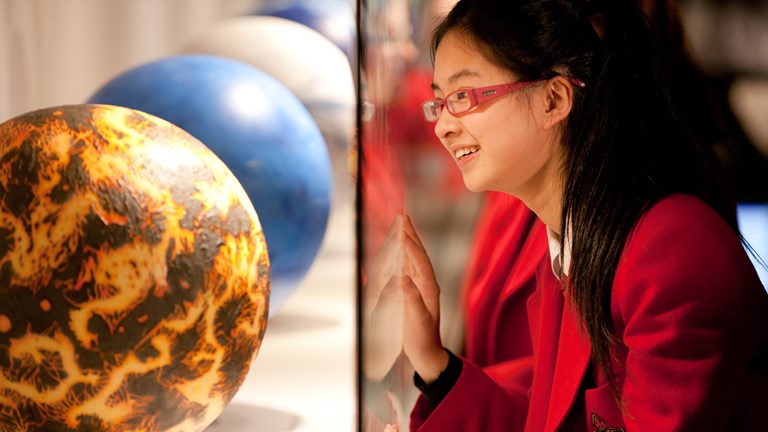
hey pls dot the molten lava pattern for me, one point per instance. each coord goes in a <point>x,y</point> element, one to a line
<point>134,276</point>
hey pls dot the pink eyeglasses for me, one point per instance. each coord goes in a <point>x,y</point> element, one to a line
<point>463,100</point>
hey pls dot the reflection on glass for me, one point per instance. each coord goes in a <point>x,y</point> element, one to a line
<point>403,170</point>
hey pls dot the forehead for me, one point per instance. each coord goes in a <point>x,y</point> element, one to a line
<point>459,62</point>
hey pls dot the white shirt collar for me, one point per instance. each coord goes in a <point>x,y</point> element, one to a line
<point>560,267</point>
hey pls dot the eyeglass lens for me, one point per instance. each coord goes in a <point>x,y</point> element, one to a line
<point>458,102</point>
<point>431,110</point>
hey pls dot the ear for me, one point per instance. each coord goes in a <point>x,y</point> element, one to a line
<point>558,100</point>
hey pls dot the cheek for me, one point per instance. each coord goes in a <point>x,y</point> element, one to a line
<point>508,141</point>
<point>506,125</point>
<point>515,152</point>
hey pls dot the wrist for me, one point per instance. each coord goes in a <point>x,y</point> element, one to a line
<point>432,366</point>
<point>436,391</point>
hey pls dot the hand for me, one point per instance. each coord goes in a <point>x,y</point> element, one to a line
<point>421,298</point>
<point>382,307</point>
<point>401,307</point>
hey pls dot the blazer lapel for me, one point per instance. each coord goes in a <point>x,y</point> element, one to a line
<point>544,313</point>
<point>573,355</point>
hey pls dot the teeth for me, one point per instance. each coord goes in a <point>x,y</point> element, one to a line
<point>465,151</point>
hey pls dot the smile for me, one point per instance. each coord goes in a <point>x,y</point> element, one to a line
<point>462,152</point>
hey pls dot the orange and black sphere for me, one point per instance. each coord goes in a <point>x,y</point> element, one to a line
<point>134,276</point>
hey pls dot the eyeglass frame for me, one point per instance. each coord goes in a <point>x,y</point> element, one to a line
<point>480,95</point>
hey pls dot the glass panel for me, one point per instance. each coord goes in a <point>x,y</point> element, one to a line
<point>403,170</point>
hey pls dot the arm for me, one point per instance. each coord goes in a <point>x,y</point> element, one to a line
<point>475,402</point>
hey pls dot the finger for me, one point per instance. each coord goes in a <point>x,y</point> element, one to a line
<point>383,330</point>
<point>387,262</point>
<point>388,247</point>
<point>419,310</point>
<point>416,252</point>
<point>387,298</point>
<point>391,292</point>
<point>409,229</point>
<point>415,309</point>
<point>418,264</point>
<point>420,269</point>
<point>421,338</point>
<point>394,227</point>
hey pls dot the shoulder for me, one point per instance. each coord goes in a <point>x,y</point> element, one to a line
<point>680,212</point>
<point>685,227</point>
<point>681,250</point>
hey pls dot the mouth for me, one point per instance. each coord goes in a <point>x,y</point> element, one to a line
<point>465,151</point>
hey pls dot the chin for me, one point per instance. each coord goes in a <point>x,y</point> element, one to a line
<point>474,186</point>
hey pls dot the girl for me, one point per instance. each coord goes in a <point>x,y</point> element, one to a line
<point>657,319</point>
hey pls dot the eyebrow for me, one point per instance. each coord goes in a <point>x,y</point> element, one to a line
<point>455,77</point>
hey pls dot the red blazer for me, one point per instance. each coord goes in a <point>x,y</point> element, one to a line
<point>509,244</point>
<point>507,236</point>
<point>693,318</point>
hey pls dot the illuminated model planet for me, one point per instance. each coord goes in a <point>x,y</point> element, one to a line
<point>261,131</point>
<point>134,274</point>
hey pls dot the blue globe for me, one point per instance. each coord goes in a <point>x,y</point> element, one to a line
<point>261,131</point>
<point>293,56</point>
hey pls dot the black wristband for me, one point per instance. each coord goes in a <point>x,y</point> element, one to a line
<point>438,389</point>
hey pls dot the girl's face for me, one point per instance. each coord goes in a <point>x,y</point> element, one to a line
<point>502,144</point>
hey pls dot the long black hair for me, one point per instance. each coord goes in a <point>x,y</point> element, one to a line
<point>626,146</point>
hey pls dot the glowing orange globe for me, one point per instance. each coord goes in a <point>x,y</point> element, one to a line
<point>134,276</point>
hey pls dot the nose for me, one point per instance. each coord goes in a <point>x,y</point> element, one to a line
<point>446,125</point>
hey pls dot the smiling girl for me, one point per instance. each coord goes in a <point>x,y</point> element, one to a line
<point>656,319</point>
